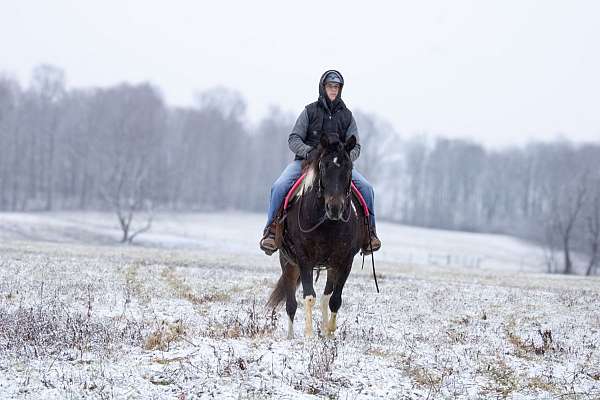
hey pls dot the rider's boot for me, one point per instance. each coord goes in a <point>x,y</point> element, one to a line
<point>267,243</point>
<point>373,244</point>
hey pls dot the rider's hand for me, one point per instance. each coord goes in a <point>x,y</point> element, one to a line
<point>311,155</point>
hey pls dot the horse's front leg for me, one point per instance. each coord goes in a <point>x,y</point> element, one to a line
<point>306,276</point>
<point>335,302</point>
<point>325,301</point>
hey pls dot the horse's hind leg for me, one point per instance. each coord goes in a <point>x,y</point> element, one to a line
<point>325,301</point>
<point>292,277</point>
<point>306,273</point>
<point>335,302</point>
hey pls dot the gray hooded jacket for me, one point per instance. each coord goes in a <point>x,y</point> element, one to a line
<point>297,139</point>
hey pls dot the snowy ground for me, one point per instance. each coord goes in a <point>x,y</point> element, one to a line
<point>181,315</point>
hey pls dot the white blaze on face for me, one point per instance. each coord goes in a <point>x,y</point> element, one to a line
<point>335,162</point>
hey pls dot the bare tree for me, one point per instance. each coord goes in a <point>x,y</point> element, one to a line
<point>127,198</point>
<point>375,137</point>
<point>593,228</point>
<point>565,212</point>
<point>9,141</point>
<point>134,123</point>
<point>48,83</point>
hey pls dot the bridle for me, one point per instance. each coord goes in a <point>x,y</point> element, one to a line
<point>320,189</point>
<point>320,186</point>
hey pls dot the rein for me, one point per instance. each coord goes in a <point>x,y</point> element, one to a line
<point>319,223</point>
<point>372,257</point>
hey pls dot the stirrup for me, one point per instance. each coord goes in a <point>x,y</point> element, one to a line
<point>369,248</point>
<point>267,243</point>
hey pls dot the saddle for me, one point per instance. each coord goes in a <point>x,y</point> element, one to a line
<point>295,191</point>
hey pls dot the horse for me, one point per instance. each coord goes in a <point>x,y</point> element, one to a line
<point>323,230</point>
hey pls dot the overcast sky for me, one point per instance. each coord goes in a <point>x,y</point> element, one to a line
<point>499,72</point>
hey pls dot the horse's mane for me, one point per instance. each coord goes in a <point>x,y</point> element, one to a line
<point>309,168</point>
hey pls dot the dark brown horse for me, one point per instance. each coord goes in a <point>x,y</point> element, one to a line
<point>323,229</point>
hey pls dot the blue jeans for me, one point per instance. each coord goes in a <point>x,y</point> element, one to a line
<point>292,172</point>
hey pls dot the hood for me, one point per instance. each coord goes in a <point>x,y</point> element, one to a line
<point>323,99</point>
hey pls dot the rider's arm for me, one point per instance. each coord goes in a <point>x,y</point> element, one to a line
<point>298,135</point>
<point>353,131</point>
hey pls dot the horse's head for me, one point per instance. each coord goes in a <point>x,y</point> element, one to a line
<point>332,170</point>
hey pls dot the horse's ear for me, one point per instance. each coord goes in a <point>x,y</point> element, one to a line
<point>324,140</point>
<point>350,143</point>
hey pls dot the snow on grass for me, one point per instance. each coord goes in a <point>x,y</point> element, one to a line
<point>239,233</point>
<point>182,316</point>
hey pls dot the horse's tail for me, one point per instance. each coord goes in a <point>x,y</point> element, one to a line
<point>288,281</point>
<point>278,294</point>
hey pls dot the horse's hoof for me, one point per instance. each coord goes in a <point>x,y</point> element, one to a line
<point>332,325</point>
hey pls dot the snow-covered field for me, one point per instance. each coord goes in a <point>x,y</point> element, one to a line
<point>181,315</point>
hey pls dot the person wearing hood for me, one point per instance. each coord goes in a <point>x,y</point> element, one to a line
<point>326,115</point>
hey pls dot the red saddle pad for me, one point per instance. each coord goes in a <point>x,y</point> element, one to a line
<point>296,185</point>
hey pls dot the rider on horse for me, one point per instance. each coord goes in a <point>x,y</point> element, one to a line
<point>328,114</point>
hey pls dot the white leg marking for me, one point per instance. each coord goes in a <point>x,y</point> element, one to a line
<point>332,324</point>
<point>309,302</point>
<point>325,312</point>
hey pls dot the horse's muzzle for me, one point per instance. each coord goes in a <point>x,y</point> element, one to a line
<point>334,209</point>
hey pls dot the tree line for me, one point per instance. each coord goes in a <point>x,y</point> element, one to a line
<point>122,148</point>
<point>545,192</point>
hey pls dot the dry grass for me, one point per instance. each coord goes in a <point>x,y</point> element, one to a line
<point>541,383</point>
<point>134,286</point>
<point>321,358</point>
<point>185,291</point>
<point>247,321</point>
<point>456,336</point>
<point>164,335</point>
<point>425,377</point>
<point>503,379</point>
<point>167,361</point>
<point>54,328</point>
<point>430,378</point>
<point>527,348</point>
<point>379,352</point>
